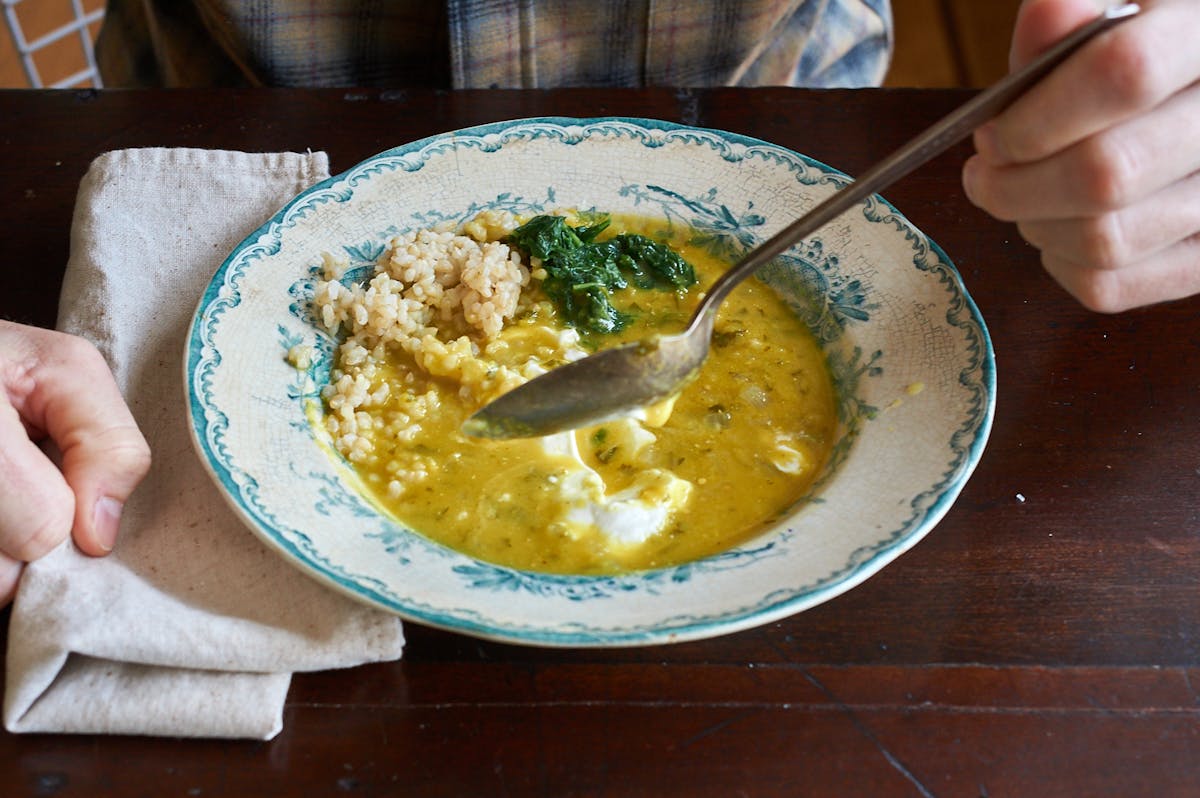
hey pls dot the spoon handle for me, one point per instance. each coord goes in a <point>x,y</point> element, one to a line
<point>932,142</point>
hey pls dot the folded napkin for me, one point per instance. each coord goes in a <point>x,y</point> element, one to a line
<point>190,627</point>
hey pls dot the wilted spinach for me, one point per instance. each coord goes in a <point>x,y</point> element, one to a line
<point>582,273</point>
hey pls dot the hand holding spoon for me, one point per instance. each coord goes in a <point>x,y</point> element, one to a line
<point>617,381</point>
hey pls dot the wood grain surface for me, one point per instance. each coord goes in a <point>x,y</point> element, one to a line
<point>1042,640</point>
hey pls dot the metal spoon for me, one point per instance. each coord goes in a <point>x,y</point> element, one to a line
<point>617,381</point>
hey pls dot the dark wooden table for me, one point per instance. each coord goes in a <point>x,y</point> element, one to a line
<point>1043,640</point>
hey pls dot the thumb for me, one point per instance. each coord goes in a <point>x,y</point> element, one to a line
<point>102,465</point>
<point>1040,23</point>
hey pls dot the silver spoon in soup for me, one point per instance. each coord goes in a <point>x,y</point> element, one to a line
<point>615,382</point>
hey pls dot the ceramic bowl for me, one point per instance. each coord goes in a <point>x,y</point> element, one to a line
<point>908,350</point>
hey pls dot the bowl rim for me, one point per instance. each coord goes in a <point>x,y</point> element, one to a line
<point>688,627</point>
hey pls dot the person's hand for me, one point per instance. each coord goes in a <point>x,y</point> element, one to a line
<point>1098,164</point>
<point>58,386</point>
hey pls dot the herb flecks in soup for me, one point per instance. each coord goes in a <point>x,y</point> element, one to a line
<point>453,319</point>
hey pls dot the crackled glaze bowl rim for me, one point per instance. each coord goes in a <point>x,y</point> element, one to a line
<point>785,600</point>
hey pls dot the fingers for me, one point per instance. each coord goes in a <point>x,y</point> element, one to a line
<point>1041,23</point>
<point>64,388</point>
<point>1119,75</point>
<point>36,505</point>
<point>104,455</point>
<point>1115,168</point>
<point>1122,238</point>
<point>1171,274</point>
<point>1098,164</point>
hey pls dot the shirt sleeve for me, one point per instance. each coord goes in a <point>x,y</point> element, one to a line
<point>828,44</point>
<point>854,48</point>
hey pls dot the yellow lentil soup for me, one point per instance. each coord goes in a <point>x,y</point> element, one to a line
<point>454,318</point>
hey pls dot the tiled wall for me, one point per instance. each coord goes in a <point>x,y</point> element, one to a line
<point>56,61</point>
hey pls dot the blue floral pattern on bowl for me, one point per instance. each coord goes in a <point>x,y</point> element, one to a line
<point>907,347</point>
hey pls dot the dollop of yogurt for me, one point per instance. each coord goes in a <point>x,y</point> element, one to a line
<point>626,518</point>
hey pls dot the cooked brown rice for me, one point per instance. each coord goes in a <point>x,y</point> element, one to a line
<point>442,297</point>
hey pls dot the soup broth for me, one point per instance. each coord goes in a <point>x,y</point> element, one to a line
<point>692,477</point>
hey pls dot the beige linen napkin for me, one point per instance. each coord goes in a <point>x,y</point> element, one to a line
<point>190,627</point>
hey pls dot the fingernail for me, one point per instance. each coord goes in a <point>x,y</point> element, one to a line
<point>106,519</point>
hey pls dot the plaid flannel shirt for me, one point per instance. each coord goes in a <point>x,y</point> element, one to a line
<point>495,43</point>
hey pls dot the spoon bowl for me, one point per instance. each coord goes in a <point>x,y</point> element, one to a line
<point>633,376</point>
